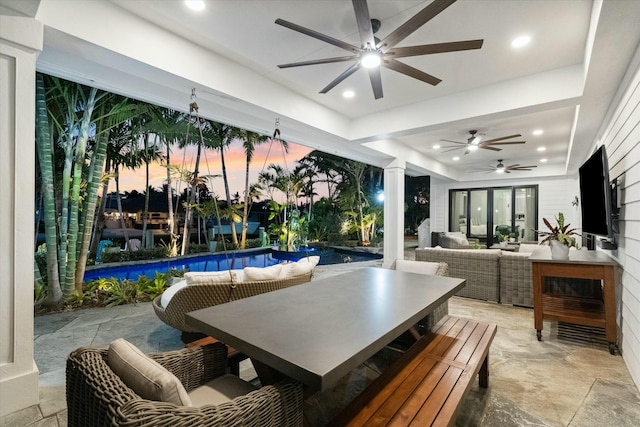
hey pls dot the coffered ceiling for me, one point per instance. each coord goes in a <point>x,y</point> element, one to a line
<point>561,82</point>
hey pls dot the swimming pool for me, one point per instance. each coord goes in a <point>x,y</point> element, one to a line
<point>216,262</point>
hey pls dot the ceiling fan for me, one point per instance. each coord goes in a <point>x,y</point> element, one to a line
<point>501,168</point>
<point>475,141</point>
<point>374,53</point>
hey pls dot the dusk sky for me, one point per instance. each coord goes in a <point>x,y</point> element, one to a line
<point>210,165</point>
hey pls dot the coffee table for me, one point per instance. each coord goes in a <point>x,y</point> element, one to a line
<point>319,331</point>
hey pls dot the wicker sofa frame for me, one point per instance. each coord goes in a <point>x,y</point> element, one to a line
<point>480,267</point>
<point>198,296</point>
<point>96,396</point>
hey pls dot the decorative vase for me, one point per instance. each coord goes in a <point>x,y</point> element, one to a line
<point>559,250</point>
<point>503,244</point>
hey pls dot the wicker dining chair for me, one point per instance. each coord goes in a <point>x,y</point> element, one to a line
<point>96,396</point>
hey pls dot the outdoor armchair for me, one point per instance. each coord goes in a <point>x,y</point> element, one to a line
<point>96,396</point>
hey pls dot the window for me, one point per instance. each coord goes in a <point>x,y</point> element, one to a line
<point>509,212</point>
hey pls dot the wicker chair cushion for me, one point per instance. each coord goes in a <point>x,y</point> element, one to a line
<point>210,277</point>
<point>299,268</point>
<point>419,267</point>
<point>252,274</point>
<point>220,390</point>
<point>146,377</point>
<point>171,291</point>
<point>527,248</point>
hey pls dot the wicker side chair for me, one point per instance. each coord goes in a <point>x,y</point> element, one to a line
<point>96,396</point>
<point>516,283</point>
<point>198,296</point>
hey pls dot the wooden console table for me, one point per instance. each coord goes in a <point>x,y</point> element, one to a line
<point>582,264</point>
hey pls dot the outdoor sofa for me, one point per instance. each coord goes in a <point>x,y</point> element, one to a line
<point>206,289</point>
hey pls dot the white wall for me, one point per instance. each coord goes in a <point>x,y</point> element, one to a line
<point>620,134</point>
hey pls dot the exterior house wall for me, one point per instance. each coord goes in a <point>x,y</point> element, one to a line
<point>620,135</point>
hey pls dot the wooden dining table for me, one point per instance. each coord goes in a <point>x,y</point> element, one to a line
<point>319,331</point>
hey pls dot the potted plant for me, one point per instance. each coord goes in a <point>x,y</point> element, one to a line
<point>560,237</point>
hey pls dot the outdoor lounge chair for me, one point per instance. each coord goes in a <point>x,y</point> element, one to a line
<point>196,295</point>
<point>96,396</point>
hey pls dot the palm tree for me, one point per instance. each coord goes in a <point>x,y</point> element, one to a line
<point>250,140</point>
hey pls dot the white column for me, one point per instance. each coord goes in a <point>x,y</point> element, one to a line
<point>393,212</point>
<point>20,42</point>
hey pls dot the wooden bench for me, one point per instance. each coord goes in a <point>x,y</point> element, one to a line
<point>427,384</point>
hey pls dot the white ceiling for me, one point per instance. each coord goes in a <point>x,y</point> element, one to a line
<point>159,50</point>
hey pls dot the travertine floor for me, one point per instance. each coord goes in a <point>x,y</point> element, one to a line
<point>557,382</point>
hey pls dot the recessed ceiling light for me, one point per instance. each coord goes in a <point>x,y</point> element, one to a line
<point>348,94</point>
<point>435,147</point>
<point>521,41</point>
<point>538,132</point>
<point>456,158</point>
<point>542,148</point>
<point>195,4</point>
<point>543,160</point>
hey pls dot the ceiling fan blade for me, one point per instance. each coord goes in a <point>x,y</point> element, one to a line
<point>407,70</point>
<point>523,168</point>
<point>513,166</point>
<point>457,142</point>
<point>341,77</point>
<point>454,148</point>
<point>428,49</point>
<point>488,147</point>
<point>507,171</point>
<point>320,61</point>
<point>502,143</point>
<point>364,23</point>
<point>376,82</point>
<point>501,138</point>
<point>417,21</point>
<point>319,36</point>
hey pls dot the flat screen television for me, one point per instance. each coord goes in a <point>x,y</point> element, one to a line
<point>596,195</point>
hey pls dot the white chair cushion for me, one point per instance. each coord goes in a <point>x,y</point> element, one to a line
<point>170,292</point>
<point>220,390</point>
<point>419,267</point>
<point>146,377</point>
<point>301,267</point>
<point>458,237</point>
<point>252,274</point>
<point>527,248</point>
<point>209,277</point>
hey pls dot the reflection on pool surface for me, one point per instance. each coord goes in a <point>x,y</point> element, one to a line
<point>216,262</point>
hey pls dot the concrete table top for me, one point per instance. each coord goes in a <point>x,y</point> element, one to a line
<point>319,331</point>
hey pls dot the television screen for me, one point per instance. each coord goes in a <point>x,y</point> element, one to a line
<point>595,194</point>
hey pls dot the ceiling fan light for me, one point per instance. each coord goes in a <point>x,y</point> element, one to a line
<point>371,60</point>
<point>500,170</point>
<point>197,5</point>
<point>473,147</point>
<point>476,140</point>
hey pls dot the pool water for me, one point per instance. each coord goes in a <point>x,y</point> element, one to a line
<point>216,262</point>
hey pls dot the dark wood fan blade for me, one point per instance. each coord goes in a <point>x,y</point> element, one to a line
<point>521,168</point>
<point>456,142</point>
<point>502,138</point>
<point>407,70</point>
<point>488,147</point>
<point>319,36</point>
<point>502,143</point>
<point>376,82</point>
<point>428,49</point>
<point>320,61</point>
<point>417,21</point>
<point>364,23</point>
<point>341,77</point>
<point>513,166</point>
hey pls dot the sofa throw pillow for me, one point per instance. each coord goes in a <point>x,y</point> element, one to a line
<point>209,277</point>
<point>527,248</point>
<point>419,267</point>
<point>170,292</point>
<point>253,274</point>
<point>146,377</point>
<point>303,266</point>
